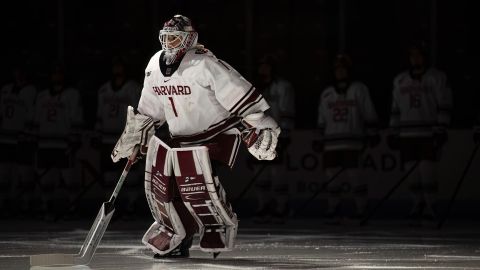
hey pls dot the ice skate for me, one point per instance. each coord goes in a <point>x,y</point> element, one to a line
<point>182,251</point>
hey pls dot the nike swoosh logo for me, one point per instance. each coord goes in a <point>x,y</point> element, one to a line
<point>166,80</point>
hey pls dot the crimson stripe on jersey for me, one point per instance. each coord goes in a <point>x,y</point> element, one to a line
<point>204,136</point>
<point>224,64</point>
<point>186,163</point>
<point>218,123</point>
<point>235,151</point>
<point>248,103</point>
<point>240,101</point>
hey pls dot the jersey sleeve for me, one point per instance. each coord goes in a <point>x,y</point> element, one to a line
<point>232,91</point>
<point>149,104</point>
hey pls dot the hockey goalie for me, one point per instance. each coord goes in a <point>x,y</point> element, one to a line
<point>210,109</point>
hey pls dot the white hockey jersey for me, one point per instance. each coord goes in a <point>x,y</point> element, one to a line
<point>346,117</point>
<point>56,116</point>
<point>112,108</point>
<point>16,111</point>
<point>281,98</point>
<point>202,98</point>
<point>419,105</point>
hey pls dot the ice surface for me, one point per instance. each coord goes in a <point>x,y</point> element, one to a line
<point>304,244</point>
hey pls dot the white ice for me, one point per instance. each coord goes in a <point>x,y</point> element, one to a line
<point>300,244</point>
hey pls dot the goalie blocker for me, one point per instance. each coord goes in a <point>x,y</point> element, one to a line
<point>184,196</point>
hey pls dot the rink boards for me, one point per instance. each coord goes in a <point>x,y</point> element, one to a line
<point>302,167</point>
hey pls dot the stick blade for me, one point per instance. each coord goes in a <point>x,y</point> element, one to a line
<point>52,259</point>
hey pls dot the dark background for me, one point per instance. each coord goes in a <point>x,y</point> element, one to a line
<point>84,35</point>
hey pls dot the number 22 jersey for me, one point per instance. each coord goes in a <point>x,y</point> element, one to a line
<point>345,117</point>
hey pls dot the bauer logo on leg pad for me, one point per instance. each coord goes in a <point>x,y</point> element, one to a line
<point>168,230</point>
<point>203,196</point>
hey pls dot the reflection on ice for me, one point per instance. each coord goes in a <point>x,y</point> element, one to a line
<point>76,267</point>
<point>316,247</point>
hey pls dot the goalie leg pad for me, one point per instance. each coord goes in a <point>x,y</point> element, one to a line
<point>205,198</point>
<point>167,232</point>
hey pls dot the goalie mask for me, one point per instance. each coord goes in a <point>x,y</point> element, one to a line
<point>176,37</point>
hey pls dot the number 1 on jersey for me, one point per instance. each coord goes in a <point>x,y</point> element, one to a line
<point>173,106</point>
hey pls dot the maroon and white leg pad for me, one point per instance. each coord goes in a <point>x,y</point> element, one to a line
<point>167,232</point>
<point>204,197</point>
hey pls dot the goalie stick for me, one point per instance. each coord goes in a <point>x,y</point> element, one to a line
<point>94,235</point>
<point>389,193</point>
<point>322,188</point>
<point>250,184</point>
<point>457,187</point>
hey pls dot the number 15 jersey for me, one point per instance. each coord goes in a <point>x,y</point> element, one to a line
<point>420,104</point>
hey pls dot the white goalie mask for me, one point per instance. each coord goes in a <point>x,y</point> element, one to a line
<point>177,37</point>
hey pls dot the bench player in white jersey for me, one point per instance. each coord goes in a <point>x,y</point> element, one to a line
<point>272,187</point>
<point>203,100</point>
<point>421,105</point>
<point>16,161</point>
<point>347,120</point>
<point>58,115</point>
<point>113,99</point>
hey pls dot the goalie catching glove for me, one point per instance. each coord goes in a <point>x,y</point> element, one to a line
<point>261,135</point>
<point>138,131</point>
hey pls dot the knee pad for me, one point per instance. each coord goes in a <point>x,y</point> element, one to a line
<point>205,198</point>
